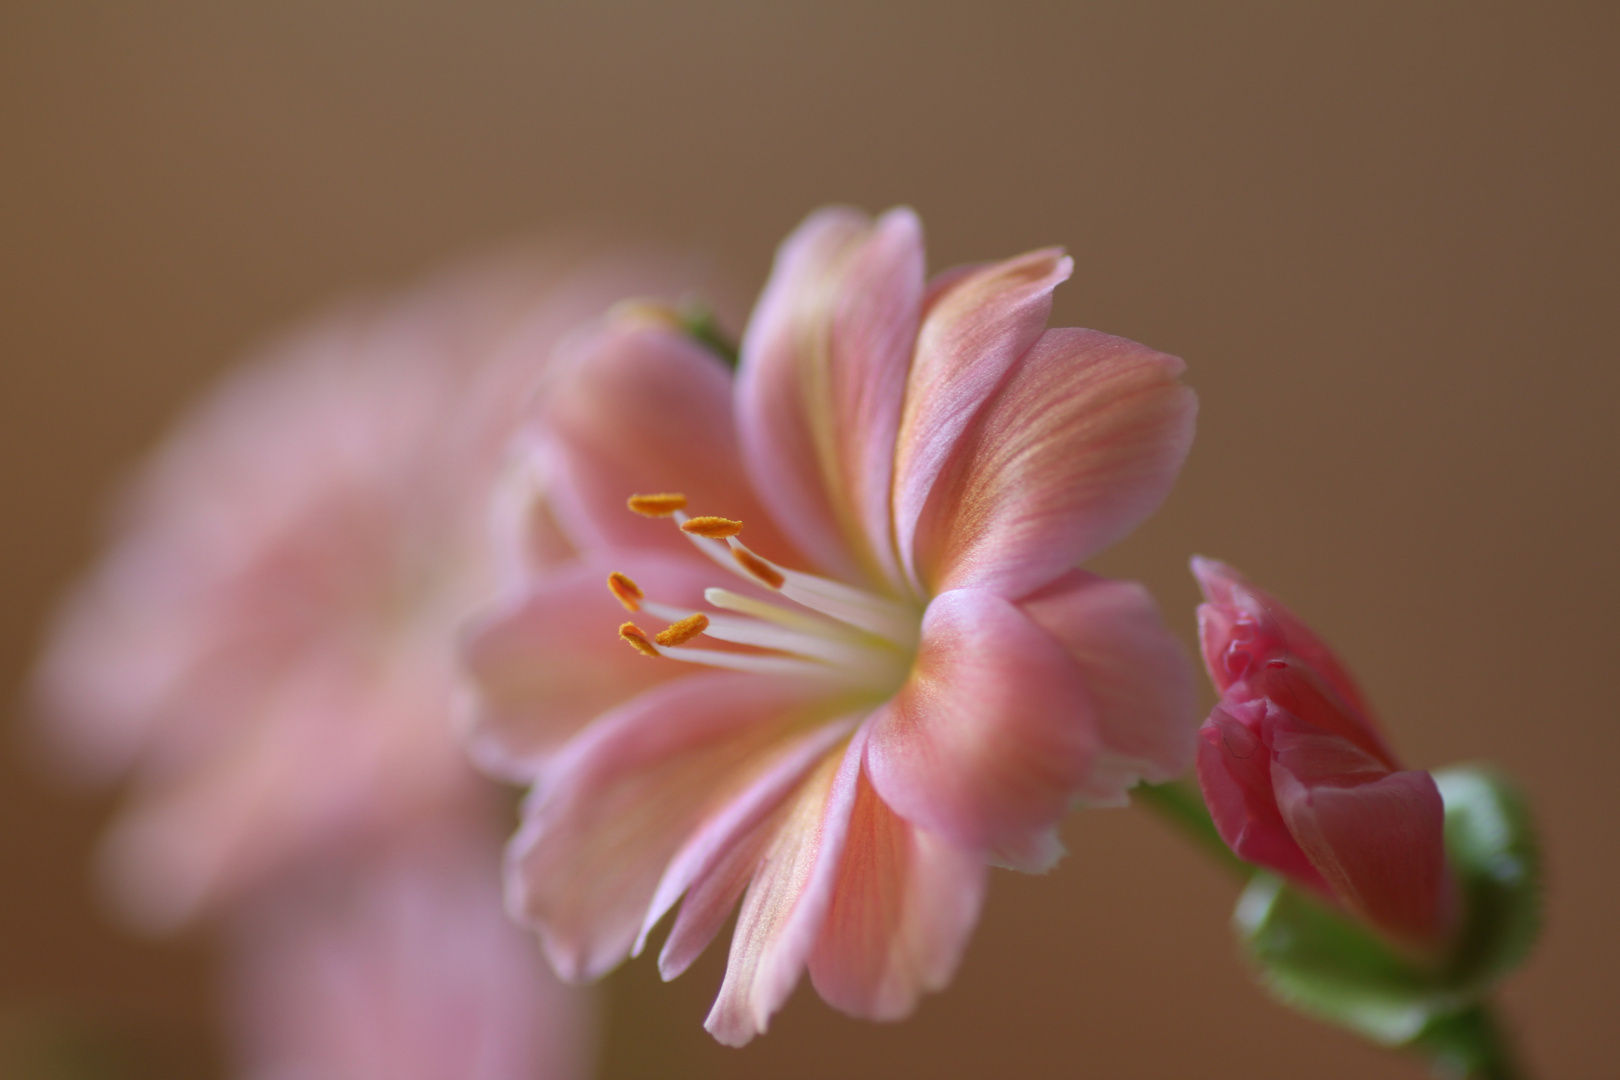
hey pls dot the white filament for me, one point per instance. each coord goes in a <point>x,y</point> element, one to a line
<point>853,633</point>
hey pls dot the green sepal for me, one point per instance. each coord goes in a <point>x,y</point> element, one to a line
<point>699,323</point>
<point>1324,963</point>
<point>1491,842</point>
<point>1321,963</point>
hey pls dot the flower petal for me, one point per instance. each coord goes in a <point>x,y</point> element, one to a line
<point>1234,772</point>
<point>640,407</point>
<point>550,660</point>
<point>397,962</point>
<point>972,335</point>
<point>786,901</point>
<point>1380,844</point>
<point>1282,632</point>
<point>1246,633</point>
<point>903,905</point>
<point>1079,445</point>
<point>993,735</point>
<point>718,859</point>
<point>1137,674</point>
<point>821,381</point>
<point>606,819</point>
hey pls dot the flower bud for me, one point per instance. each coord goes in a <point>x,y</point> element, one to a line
<point>1299,780</point>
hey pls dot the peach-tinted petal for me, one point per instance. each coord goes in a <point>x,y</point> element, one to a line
<point>717,861</point>
<point>994,733</point>
<point>638,407</point>
<point>1079,445</point>
<point>607,817</point>
<point>1136,672</point>
<point>787,901</point>
<point>551,659</point>
<point>821,381</point>
<point>972,335</point>
<point>903,905</point>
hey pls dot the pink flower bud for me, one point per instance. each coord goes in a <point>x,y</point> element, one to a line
<point>1298,777</point>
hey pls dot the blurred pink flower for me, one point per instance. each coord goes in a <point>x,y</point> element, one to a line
<point>1298,777</point>
<point>268,649</point>
<point>917,680</point>
<point>398,962</point>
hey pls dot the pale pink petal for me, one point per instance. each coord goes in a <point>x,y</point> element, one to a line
<point>711,899</point>
<point>717,861</point>
<point>972,335</point>
<point>903,905</point>
<point>787,901</point>
<point>1079,445</point>
<point>1234,772</point>
<point>525,539</point>
<point>550,660</point>
<point>1137,674</point>
<point>1380,843</point>
<point>1036,853</point>
<point>609,815</point>
<point>637,407</point>
<point>993,735</point>
<point>821,381</point>
<point>399,964</point>
<point>342,759</point>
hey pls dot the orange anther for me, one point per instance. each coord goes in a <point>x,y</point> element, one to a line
<point>764,571</point>
<point>637,639</point>
<point>626,591</point>
<point>682,632</point>
<point>657,505</point>
<point>715,528</point>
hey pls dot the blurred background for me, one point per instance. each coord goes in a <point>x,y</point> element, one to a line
<point>1382,235</point>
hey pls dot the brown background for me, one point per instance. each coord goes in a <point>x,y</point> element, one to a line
<point>1383,236</point>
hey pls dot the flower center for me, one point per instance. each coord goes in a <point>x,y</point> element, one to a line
<point>828,630</point>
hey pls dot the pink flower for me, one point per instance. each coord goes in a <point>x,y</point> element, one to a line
<point>398,962</point>
<point>900,678</point>
<point>268,651</point>
<point>1298,777</point>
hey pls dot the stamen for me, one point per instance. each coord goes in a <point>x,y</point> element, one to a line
<point>753,662</point>
<point>823,643</point>
<point>637,639</point>
<point>758,567</point>
<point>680,633</point>
<point>726,600</point>
<point>716,552</point>
<point>657,506</point>
<point>626,591</point>
<point>715,528</point>
<point>856,607</point>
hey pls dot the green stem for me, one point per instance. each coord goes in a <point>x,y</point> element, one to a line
<point>1181,804</point>
<point>1470,1044</point>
